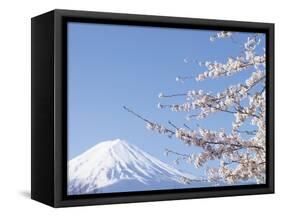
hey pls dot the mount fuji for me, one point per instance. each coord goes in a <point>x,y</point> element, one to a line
<point>117,166</point>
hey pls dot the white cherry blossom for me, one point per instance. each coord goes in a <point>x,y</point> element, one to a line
<point>241,152</point>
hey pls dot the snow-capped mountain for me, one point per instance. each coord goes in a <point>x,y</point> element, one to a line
<point>116,166</point>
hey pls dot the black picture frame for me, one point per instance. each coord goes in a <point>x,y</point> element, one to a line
<point>49,107</point>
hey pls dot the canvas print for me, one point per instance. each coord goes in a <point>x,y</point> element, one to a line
<point>153,108</point>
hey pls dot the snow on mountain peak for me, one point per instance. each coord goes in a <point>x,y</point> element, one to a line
<point>116,166</point>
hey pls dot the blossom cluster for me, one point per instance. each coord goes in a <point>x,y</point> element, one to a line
<point>230,149</point>
<point>156,127</point>
<point>221,35</point>
<point>231,67</point>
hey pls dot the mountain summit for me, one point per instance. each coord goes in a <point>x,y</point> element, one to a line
<point>116,166</point>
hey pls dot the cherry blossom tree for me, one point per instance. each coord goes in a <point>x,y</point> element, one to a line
<point>241,151</point>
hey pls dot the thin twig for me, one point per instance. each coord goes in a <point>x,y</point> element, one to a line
<point>173,125</point>
<point>146,120</point>
<point>137,115</point>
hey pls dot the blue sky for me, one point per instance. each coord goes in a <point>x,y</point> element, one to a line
<point>110,66</point>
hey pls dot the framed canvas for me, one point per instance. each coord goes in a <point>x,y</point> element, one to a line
<point>134,108</point>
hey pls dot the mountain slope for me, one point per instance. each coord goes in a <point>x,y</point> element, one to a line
<point>116,166</point>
